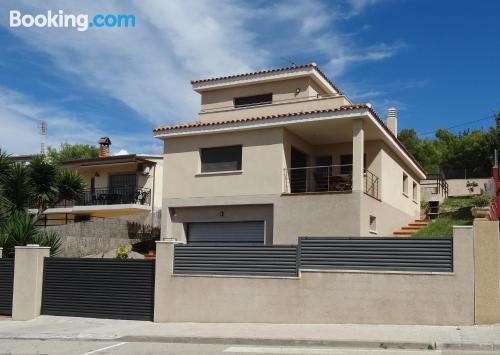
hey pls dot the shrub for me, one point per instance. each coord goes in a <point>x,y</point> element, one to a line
<point>122,252</point>
<point>481,201</point>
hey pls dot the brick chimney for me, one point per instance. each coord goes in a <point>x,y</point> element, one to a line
<point>104,143</point>
<point>392,120</point>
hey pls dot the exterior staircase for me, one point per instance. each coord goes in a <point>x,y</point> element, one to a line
<point>411,228</point>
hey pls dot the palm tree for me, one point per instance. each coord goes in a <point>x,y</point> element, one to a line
<point>41,184</point>
<point>43,176</point>
<point>70,185</point>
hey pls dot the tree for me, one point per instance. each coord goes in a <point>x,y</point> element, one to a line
<point>72,152</point>
<point>39,184</point>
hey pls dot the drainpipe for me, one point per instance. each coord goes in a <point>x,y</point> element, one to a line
<point>153,198</point>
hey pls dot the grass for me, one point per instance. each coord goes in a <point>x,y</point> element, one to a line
<point>452,212</point>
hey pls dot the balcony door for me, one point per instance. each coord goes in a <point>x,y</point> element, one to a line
<point>298,171</point>
<point>123,187</point>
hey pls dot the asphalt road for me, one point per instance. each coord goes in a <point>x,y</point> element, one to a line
<point>70,347</point>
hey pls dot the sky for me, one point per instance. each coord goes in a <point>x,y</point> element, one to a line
<point>437,62</point>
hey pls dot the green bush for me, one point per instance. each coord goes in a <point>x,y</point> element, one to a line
<point>21,229</point>
<point>481,201</point>
<point>122,252</point>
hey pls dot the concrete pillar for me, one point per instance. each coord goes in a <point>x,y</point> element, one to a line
<point>28,281</point>
<point>164,270</point>
<point>486,271</point>
<point>358,152</point>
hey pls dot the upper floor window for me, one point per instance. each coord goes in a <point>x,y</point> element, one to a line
<point>405,184</point>
<point>253,100</point>
<point>221,159</point>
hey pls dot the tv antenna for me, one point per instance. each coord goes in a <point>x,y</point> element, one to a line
<point>42,126</point>
<point>290,61</point>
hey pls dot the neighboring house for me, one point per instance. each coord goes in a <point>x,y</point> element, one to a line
<point>120,185</point>
<point>283,153</point>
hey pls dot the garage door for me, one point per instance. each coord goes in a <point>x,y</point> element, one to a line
<point>226,232</point>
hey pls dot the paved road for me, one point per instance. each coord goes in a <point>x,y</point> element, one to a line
<point>70,347</point>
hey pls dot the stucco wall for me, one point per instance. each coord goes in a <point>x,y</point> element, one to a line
<point>321,297</point>
<point>458,187</point>
<point>392,184</point>
<point>262,171</point>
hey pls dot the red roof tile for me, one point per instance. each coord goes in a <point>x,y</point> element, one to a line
<point>276,70</point>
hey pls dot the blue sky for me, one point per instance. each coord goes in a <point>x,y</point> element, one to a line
<point>436,61</point>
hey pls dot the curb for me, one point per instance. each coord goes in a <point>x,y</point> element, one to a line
<point>361,344</point>
<point>282,342</point>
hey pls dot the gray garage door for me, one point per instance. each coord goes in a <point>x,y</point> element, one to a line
<point>226,232</point>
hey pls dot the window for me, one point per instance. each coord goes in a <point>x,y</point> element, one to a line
<point>82,218</point>
<point>346,164</point>
<point>405,184</point>
<point>373,224</point>
<point>415,191</point>
<point>253,100</point>
<point>221,159</point>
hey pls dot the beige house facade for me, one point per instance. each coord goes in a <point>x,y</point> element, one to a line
<point>116,186</point>
<point>283,153</point>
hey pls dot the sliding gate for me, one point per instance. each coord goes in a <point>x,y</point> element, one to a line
<point>99,288</point>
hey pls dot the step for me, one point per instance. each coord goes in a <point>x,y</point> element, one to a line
<point>402,232</point>
<point>419,224</point>
<point>422,221</point>
<point>411,228</point>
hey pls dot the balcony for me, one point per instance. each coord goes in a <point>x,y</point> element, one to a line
<point>122,195</point>
<point>327,178</point>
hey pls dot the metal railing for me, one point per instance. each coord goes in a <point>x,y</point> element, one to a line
<point>438,181</point>
<point>327,178</point>
<point>324,178</point>
<point>110,196</point>
<point>371,182</point>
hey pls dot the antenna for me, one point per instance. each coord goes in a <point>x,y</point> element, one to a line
<point>42,126</point>
<point>290,61</point>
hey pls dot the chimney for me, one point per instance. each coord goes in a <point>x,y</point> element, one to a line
<point>104,143</point>
<point>392,120</point>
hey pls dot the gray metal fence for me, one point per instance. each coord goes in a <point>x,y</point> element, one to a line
<point>235,260</point>
<point>100,288</point>
<point>354,253</point>
<point>6,286</point>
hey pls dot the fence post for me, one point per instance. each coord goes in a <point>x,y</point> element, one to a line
<point>1,252</point>
<point>164,269</point>
<point>28,281</point>
<point>486,271</point>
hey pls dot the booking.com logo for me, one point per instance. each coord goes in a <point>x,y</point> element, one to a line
<point>61,20</point>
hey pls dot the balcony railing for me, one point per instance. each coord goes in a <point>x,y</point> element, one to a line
<point>371,182</point>
<point>111,196</point>
<point>327,178</point>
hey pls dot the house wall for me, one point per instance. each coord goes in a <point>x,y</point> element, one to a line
<point>297,105</point>
<point>320,296</point>
<point>281,90</point>
<point>391,178</point>
<point>261,165</point>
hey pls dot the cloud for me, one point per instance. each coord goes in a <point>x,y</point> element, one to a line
<point>20,116</point>
<point>148,67</point>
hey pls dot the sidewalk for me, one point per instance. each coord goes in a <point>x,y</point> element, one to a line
<point>335,335</point>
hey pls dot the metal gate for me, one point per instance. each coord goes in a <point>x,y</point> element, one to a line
<point>6,286</point>
<point>99,288</point>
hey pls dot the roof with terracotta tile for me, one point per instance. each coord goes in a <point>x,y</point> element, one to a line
<point>197,124</point>
<point>267,71</point>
